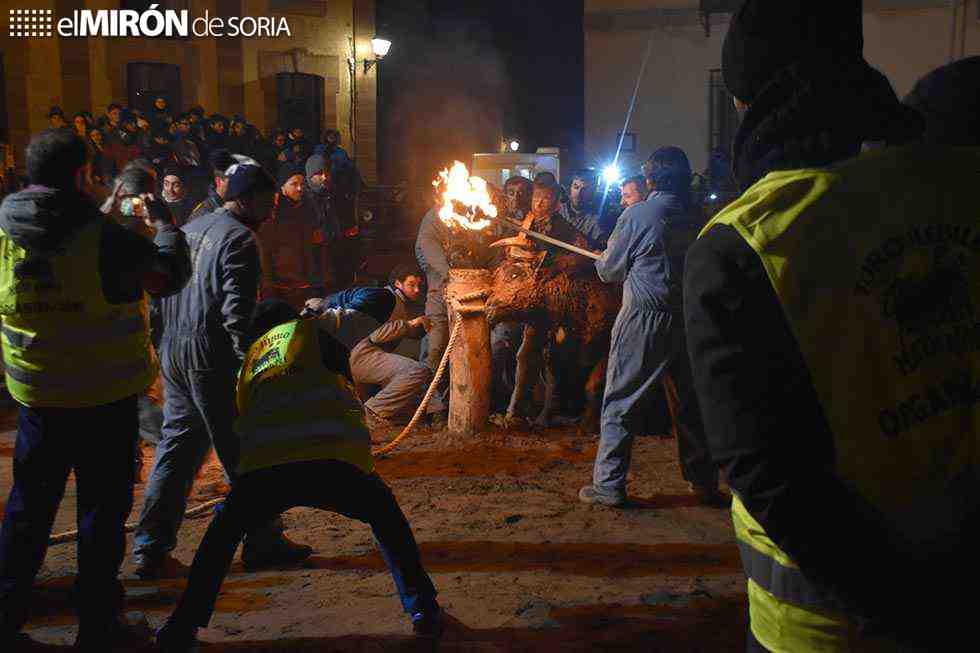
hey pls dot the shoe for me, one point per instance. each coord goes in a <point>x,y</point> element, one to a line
<point>127,633</point>
<point>588,494</point>
<point>711,496</point>
<point>427,624</point>
<point>172,638</point>
<point>150,566</point>
<point>282,552</point>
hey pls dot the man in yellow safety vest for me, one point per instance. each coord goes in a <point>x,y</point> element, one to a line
<point>832,321</point>
<point>76,349</point>
<point>303,442</point>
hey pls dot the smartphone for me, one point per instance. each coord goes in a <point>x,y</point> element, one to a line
<point>131,205</point>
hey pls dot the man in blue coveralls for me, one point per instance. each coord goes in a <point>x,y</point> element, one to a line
<point>646,253</point>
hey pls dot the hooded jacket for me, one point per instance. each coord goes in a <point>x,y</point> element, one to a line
<point>44,220</point>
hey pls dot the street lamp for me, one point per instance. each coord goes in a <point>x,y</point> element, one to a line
<point>380,47</point>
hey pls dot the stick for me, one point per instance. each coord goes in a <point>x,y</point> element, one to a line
<point>548,239</point>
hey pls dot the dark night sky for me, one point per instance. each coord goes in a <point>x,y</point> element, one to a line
<point>509,67</point>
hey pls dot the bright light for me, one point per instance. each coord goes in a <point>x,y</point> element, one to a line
<point>713,196</point>
<point>380,47</point>
<point>514,146</point>
<point>611,174</point>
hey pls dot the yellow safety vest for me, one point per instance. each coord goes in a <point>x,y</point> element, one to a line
<point>876,263</point>
<point>64,345</point>
<point>293,409</point>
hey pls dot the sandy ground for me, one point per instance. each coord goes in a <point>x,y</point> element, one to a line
<point>520,564</point>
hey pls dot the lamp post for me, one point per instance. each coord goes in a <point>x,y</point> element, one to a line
<point>380,46</point>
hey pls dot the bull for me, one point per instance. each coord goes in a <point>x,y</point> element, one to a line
<point>567,309</point>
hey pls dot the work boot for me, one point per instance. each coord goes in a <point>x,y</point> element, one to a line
<point>427,624</point>
<point>281,552</point>
<point>588,494</point>
<point>152,566</point>
<point>175,638</point>
<point>125,633</point>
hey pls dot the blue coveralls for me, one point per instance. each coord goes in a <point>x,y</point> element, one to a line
<point>203,344</point>
<point>647,340</point>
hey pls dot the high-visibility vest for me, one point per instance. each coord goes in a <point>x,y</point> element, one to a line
<point>876,263</point>
<point>64,344</point>
<point>292,408</point>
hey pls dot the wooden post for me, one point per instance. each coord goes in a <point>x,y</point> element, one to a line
<point>469,393</point>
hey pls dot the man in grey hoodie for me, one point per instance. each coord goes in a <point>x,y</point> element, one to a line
<point>76,348</point>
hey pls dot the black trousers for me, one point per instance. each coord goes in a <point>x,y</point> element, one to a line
<point>99,445</point>
<point>330,485</point>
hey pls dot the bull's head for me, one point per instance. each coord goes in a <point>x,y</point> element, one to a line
<point>515,293</point>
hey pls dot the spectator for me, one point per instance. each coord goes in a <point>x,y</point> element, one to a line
<point>96,274</point>
<point>319,192</point>
<point>219,161</point>
<point>56,118</point>
<point>80,124</point>
<point>288,240</point>
<point>173,190</point>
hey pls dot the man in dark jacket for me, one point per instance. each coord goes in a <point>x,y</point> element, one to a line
<point>809,303</point>
<point>204,341</point>
<point>319,193</point>
<point>289,269</point>
<point>219,161</point>
<point>53,224</point>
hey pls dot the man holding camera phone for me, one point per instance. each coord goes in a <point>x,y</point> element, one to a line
<point>77,353</point>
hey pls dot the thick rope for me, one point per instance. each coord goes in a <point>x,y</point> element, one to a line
<point>70,536</point>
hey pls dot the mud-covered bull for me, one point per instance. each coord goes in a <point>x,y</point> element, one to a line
<point>570,311</point>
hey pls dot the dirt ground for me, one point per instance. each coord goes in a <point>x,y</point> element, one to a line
<point>520,564</point>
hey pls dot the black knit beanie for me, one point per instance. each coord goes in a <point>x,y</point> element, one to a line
<point>949,100</point>
<point>288,170</point>
<point>766,36</point>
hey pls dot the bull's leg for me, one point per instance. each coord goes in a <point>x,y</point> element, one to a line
<point>594,387</point>
<point>528,362</point>
<point>543,420</point>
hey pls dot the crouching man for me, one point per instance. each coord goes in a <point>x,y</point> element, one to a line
<point>303,443</point>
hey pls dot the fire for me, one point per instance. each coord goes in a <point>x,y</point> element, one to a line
<point>462,192</point>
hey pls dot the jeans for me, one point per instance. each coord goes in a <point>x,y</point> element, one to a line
<point>325,484</point>
<point>198,411</point>
<point>99,444</point>
<point>645,345</point>
<point>403,382</point>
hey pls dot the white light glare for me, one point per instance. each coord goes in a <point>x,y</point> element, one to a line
<point>713,196</point>
<point>611,174</point>
<point>514,146</point>
<point>380,47</point>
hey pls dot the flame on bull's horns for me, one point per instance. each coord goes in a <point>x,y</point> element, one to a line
<point>470,193</point>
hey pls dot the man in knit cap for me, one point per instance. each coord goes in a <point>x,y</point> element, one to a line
<point>319,193</point>
<point>822,309</point>
<point>289,270</point>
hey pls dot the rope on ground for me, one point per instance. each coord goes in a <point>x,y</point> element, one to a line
<point>70,536</point>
